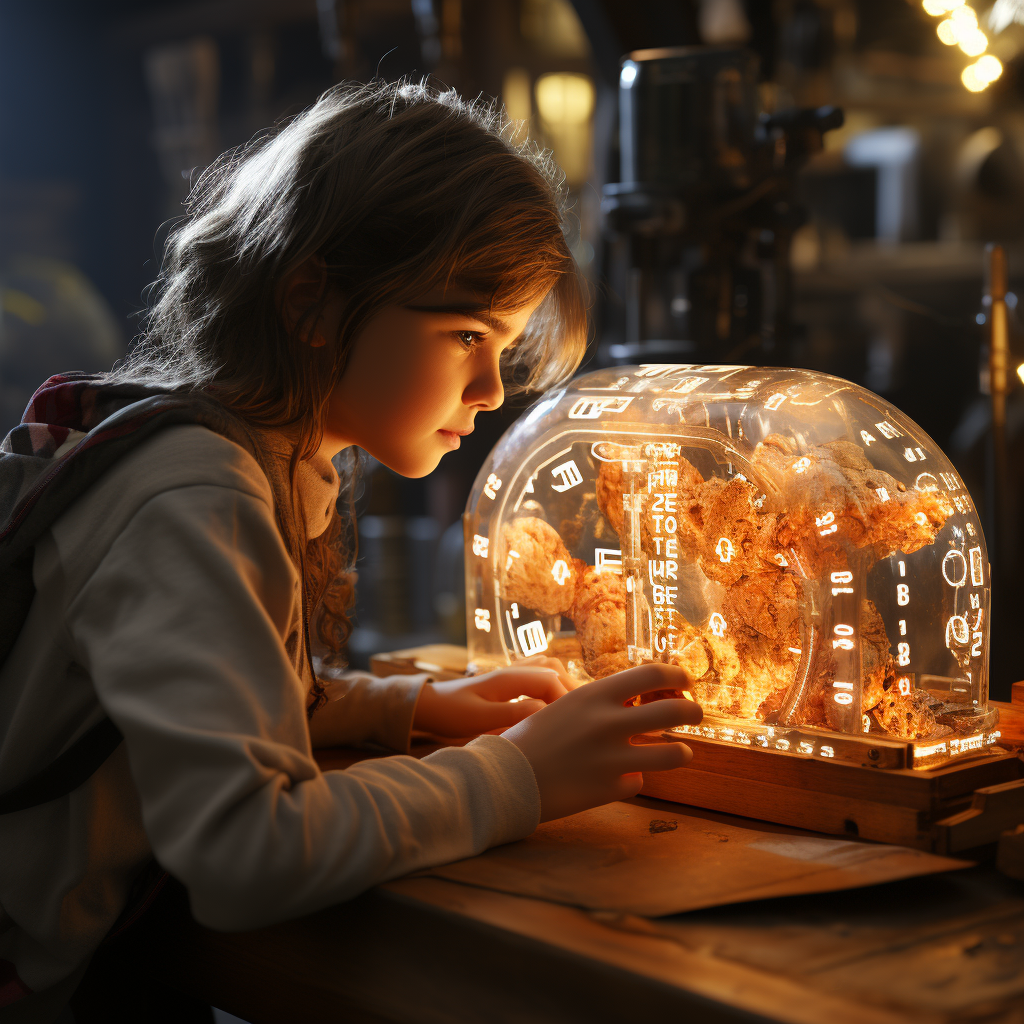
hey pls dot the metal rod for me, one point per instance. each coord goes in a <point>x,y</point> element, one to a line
<point>998,362</point>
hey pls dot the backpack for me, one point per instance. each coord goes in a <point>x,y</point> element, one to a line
<point>76,426</point>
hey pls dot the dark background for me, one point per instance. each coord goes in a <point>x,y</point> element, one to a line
<point>111,108</point>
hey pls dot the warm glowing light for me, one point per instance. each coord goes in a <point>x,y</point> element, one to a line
<point>939,7</point>
<point>947,32</point>
<point>1020,372</point>
<point>989,68</point>
<point>564,98</point>
<point>971,80</point>
<point>964,17</point>
<point>973,42</point>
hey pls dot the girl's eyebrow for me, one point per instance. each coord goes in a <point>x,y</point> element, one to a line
<point>481,313</point>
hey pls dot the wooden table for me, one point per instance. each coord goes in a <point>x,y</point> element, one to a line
<point>941,949</point>
<point>945,948</point>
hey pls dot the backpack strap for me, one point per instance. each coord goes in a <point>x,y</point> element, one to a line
<point>67,772</point>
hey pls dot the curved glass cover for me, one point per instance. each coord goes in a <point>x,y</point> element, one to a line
<point>800,546</point>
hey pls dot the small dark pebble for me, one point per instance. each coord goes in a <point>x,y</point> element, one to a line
<point>660,825</point>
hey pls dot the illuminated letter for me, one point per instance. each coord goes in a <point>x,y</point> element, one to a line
<point>479,545</point>
<point>561,572</point>
<point>570,476</point>
<point>977,574</point>
<point>532,638</point>
<point>483,619</point>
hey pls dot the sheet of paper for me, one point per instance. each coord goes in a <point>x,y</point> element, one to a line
<point>636,859</point>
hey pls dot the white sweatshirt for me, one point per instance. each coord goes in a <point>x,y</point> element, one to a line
<point>165,598</point>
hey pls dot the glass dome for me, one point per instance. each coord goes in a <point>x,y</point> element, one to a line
<point>800,546</point>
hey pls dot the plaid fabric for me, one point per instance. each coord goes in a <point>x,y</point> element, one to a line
<point>75,427</point>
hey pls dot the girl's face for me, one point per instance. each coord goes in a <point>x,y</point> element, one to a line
<point>417,376</point>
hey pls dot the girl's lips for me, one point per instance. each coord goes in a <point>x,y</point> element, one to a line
<point>451,438</point>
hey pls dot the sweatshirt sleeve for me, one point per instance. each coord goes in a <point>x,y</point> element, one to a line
<point>183,629</point>
<point>363,709</point>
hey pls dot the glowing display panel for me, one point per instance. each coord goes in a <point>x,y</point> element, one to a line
<point>800,546</point>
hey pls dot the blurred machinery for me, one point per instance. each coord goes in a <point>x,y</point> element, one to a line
<point>700,223</point>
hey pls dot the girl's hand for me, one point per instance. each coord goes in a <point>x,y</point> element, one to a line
<point>478,704</point>
<point>580,746</point>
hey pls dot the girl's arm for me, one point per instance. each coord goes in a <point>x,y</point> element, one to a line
<point>183,629</point>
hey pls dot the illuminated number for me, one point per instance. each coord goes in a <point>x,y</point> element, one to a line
<point>483,619</point>
<point>883,494</point>
<point>867,438</point>
<point>569,474</point>
<point>957,630</point>
<point>886,429</point>
<point>954,568</point>
<point>594,408</point>
<point>725,550</point>
<point>660,369</point>
<point>903,627</point>
<point>801,465</point>
<point>840,578</point>
<point>780,558</point>
<point>902,594</point>
<point>903,656</point>
<point>804,747</point>
<point>774,402</point>
<point>842,629</point>
<point>532,638</point>
<point>479,545</point>
<point>827,751</point>
<point>903,568</point>
<point>865,723</point>
<point>904,684</point>
<point>977,574</point>
<point>608,558</point>
<point>561,572</point>
<point>914,455</point>
<point>717,624</point>
<point>950,481</point>
<point>688,384</point>
<point>976,649</point>
<point>828,521</point>
<point>926,482</point>
<point>508,561</point>
<point>493,484</point>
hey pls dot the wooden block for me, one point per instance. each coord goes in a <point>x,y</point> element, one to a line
<point>1011,721</point>
<point>1010,854</point>
<point>1017,693</point>
<point>993,810</point>
<point>442,661</point>
<point>767,801</point>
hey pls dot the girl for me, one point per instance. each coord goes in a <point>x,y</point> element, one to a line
<point>173,558</point>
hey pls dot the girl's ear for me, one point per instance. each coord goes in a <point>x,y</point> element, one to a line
<point>298,292</point>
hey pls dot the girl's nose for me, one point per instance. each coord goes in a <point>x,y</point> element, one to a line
<point>486,390</point>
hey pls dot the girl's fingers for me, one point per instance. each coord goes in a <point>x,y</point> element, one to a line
<point>633,681</point>
<point>658,757</point>
<point>628,785</point>
<point>663,714</point>
<point>502,715</point>
<point>508,683</point>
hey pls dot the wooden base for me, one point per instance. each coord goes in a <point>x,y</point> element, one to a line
<point>946,811</point>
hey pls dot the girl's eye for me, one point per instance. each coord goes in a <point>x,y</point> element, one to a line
<point>468,338</point>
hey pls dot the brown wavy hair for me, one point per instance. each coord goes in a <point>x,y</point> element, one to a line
<point>400,188</point>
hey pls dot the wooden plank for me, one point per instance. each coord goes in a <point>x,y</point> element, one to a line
<point>923,790</point>
<point>443,661</point>
<point>1017,693</point>
<point>631,943</point>
<point>993,811</point>
<point>1011,721</point>
<point>832,813</point>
